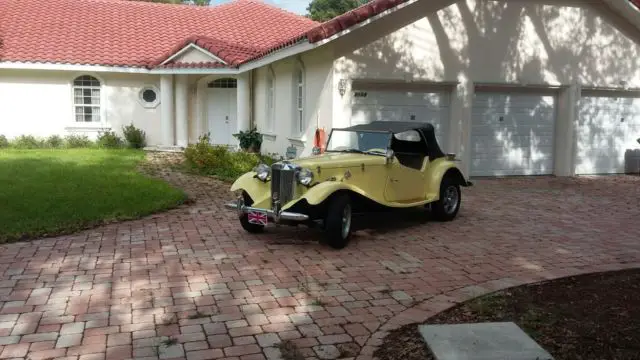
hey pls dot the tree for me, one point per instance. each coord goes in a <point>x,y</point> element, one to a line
<point>323,10</point>
<point>188,2</point>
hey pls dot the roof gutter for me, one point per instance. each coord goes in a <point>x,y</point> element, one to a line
<point>9,65</point>
<point>278,55</point>
<point>71,67</point>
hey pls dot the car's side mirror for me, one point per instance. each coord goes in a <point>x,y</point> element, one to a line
<point>638,140</point>
<point>389,156</point>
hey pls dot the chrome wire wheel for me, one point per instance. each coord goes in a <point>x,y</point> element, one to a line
<point>346,221</point>
<point>451,199</point>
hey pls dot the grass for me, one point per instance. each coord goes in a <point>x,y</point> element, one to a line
<point>51,192</point>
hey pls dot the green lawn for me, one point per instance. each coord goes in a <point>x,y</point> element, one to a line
<point>48,192</point>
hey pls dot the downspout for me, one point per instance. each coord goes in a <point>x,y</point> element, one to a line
<point>251,105</point>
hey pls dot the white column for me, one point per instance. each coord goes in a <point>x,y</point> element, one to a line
<point>166,109</point>
<point>243,102</point>
<point>182,111</point>
<point>459,138</point>
<point>565,130</point>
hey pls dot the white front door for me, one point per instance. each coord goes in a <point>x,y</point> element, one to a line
<point>512,134</point>
<point>221,110</point>
<point>607,128</point>
<point>431,107</point>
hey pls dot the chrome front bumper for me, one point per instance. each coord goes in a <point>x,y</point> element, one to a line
<point>241,209</point>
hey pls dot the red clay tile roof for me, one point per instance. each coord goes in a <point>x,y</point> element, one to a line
<point>335,25</point>
<point>232,54</point>
<point>350,18</point>
<point>139,34</point>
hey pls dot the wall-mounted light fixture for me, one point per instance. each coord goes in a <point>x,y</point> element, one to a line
<point>342,86</point>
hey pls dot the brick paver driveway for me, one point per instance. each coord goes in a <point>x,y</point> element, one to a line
<point>191,284</point>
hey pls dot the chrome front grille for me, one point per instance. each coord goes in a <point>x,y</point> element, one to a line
<point>283,185</point>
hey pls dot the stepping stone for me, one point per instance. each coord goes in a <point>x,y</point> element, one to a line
<point>482,341</point>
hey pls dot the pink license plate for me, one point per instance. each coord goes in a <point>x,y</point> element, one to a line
<point>257,217</point>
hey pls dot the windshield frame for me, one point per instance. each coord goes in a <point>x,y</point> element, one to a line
<point>390,137</point>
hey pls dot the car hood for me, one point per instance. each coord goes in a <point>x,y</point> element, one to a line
<point>338,160</point>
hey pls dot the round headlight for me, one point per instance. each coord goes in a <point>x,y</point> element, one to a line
<point>263,171</point>
<point>305,177</point>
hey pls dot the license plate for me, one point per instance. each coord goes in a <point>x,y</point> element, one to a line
<point>257,217</point>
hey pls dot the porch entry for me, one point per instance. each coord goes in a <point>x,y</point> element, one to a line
<point>222,110</point>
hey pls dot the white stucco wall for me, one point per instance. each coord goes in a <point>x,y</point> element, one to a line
<point>504,41</point>
<point>194,55</point>
<point>317,106</point>
<point>513,42</point>
<point>40,103</point>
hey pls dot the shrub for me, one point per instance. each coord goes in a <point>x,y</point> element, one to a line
<point>77,141</point>
<point>54,141</point>
<point>219,161</point>
<point>136,138</point>
<point>27,142</point>
<point>109,139</point>
<point>3,142</point>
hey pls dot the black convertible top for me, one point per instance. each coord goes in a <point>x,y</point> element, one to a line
<point>395,127</point>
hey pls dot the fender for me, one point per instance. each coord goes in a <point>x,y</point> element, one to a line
<point>258,190</point>
<point>318,193</point>
<point>437,171</point>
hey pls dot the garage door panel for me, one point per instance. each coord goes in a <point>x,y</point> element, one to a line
<point>606,128</point>
<point>368,106</point>
<point>512,134</point>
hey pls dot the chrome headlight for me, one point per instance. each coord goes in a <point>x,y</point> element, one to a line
<point>262,171</point>
<point>305,176</point>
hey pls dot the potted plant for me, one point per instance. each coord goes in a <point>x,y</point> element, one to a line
<point>250,140</point>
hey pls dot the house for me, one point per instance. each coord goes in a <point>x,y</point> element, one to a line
<point>513,87</point>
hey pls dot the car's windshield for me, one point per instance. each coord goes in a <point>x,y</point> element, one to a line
<point>358,141</point>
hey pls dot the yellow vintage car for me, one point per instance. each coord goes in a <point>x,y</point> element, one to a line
<point>384,164</point>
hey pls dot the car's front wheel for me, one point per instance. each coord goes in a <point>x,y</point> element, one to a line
<point>446,208</point>
<point>338,221</point>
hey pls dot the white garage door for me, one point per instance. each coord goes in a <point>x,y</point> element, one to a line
<point>512,134</point>
<point>368,106</point>
<point>607,127</point>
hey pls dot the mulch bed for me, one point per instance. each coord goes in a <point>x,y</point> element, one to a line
<point>594,316</point>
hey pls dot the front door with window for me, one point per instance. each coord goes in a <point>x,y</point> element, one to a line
<point>221,110</point>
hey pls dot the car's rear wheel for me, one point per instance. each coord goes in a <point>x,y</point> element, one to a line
<point>244,219</point>
<point>338,221</point>
<point>446,208</point>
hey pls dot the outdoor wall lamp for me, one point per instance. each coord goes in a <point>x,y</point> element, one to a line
<point>342,86</point>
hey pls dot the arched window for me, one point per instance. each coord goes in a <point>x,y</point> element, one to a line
<point>271,100</point>
<point>86,99</point>
<point>299,92</point>
<point>224,83</point>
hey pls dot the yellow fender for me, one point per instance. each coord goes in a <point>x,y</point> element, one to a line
<point>258,190</point>
<point>322,191</point>
<point>437,171</point>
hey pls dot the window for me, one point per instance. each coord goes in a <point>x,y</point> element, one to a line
<point>271,100</point>
<point>299,94</point>
<point>149,97</point>
<point>224,83</point>
<point>86,99</point>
